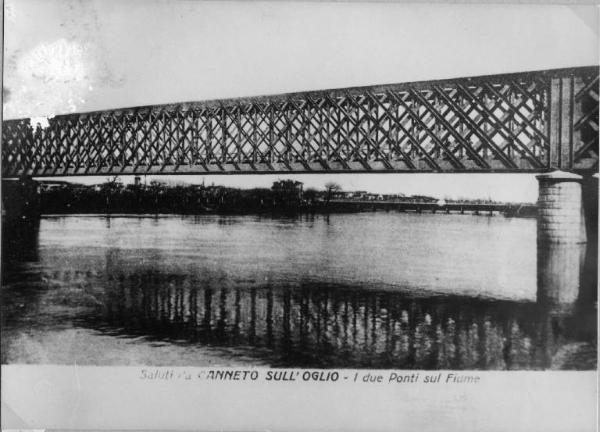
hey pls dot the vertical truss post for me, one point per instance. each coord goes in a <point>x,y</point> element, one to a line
<point>223,136</point>
<point>253,114</point>
<point>269,108</point>
<point>195,138</point>
<point>561,123</point>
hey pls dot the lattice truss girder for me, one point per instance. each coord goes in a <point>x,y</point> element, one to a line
<point>584,108</point>
<point>494,123</point>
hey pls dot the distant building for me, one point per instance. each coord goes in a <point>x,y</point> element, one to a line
<point>338,195</point>
<point>372,197</point>
<point>291,189</point>
<point>47,185</point>
<point>423,199</point>
<point>287,194</point>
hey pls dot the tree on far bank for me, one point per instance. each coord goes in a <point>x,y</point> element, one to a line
<point>310,194</point>
<point>330,188</point>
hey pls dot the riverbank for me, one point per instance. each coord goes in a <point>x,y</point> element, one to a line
<point>284,197</point>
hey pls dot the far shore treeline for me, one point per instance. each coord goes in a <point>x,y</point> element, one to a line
<point>113,196</point>
<point>26,197</point>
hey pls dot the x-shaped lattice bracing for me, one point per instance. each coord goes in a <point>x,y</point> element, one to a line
<point>532,121</point>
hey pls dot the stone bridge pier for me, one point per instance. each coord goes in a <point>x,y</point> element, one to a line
<point>20,200</point>
<point>567,208</point>
<point>567,219</point>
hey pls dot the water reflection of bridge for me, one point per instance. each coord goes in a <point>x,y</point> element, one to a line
<point>319,326</point>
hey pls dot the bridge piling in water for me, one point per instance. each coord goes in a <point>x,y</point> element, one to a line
<point>20,200</point>
<point>559,273</point>
<point>560,208</point>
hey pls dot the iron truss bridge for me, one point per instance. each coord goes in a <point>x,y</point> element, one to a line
<point>523,122</point>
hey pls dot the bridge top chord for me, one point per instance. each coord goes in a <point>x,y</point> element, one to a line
<point>521,122</point>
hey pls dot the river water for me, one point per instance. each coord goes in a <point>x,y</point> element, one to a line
<point>366,290</point>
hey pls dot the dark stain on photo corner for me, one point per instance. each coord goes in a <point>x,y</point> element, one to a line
<point>359,290</point>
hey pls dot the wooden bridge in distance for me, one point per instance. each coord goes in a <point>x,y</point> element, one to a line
<point>522,122</point>
<point>522,210</point>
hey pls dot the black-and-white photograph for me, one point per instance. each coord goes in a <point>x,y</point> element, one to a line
<point>307,185</point>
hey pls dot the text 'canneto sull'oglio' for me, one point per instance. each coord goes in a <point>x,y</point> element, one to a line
<point>317,376</point>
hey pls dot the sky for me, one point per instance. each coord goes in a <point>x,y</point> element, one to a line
<point>81,55</point>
